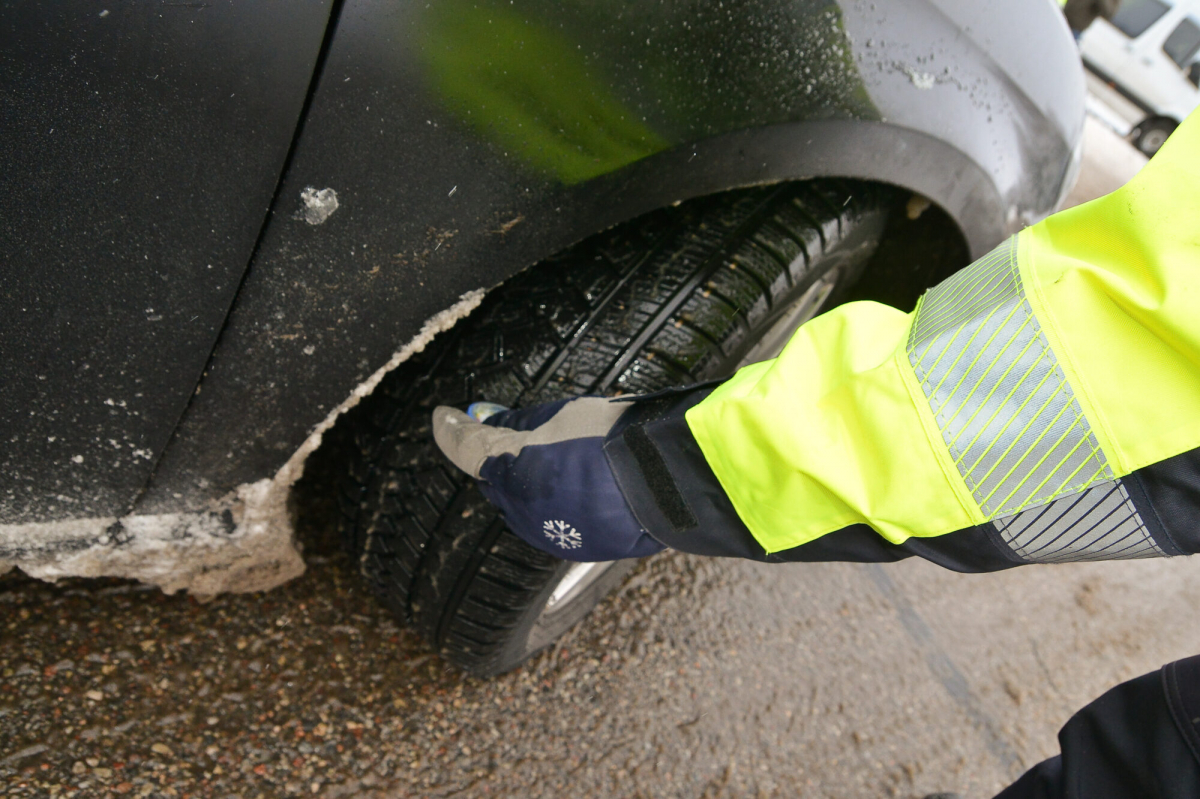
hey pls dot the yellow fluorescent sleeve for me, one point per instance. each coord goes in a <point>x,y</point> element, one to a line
<point>829,435</point>
<point>838,430</point>
<point>1116,283</point>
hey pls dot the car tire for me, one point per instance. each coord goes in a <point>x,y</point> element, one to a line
<point>1151,135</point>
<point>682,295</point>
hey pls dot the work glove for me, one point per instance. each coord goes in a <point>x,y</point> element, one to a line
<point>545,469</point>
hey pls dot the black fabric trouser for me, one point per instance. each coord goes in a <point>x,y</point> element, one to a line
<point>1140,739</point>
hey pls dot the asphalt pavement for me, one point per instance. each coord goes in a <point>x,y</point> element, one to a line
<point>699,678</point>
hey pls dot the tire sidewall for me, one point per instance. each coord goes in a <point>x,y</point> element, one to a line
<point>524,644</point>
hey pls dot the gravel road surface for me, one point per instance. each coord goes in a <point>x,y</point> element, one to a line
<point>699,678</point>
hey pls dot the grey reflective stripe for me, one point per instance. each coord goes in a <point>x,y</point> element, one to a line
<point>1100,523</point>
<point>1005,410</point>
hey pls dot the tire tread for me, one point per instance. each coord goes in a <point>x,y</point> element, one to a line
<point>669,298</point>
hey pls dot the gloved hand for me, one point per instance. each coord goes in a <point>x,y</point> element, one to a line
<point>544,467</point>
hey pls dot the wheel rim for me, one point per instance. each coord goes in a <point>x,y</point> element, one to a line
<point>574,582</point>
<point>1152,140</point>
<point>573,588</point>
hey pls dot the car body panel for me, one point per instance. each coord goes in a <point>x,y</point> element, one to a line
<point>440,195</point>
<point>465,141</point>
<point>142,144</point>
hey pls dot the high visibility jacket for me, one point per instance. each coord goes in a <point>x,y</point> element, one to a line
<point>1041,405</point>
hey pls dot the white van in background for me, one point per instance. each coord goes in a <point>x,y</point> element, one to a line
<point>1145,68</point>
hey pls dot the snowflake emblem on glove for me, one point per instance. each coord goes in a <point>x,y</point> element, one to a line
<point>562,534</point>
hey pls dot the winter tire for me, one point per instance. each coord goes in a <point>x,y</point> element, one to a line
<point>679,296</point>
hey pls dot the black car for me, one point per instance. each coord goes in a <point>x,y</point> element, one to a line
<point>226,224</point>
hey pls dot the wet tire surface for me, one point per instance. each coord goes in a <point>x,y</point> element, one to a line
<point>676,297</point>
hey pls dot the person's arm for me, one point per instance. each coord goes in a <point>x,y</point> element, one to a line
<point>1141,738</point>
<point>1041,405</point>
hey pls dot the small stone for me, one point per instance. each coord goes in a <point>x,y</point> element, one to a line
<point>162,749</point>
<point>102,773</point>
<point>212,720</point>
<point>95,696</point>
<point>93,762</point>
<point>318,204</point>
<point>78,768</point>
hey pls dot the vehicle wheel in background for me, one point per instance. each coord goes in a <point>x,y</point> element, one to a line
<point>1152,134</point>
<point>680,296</point>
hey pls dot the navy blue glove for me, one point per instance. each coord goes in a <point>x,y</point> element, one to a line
<point>544,467</point>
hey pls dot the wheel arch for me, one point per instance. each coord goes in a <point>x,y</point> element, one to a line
<point>868,150</point>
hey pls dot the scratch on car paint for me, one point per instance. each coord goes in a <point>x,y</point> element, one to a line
<point>319,204</point>
<point>242,542</point>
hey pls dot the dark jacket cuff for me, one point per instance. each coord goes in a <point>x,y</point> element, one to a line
<point>664,477</point>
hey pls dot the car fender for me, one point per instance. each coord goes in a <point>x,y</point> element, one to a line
<point>411,188</point>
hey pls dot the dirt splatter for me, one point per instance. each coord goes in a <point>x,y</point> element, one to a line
<point>243,543</point>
